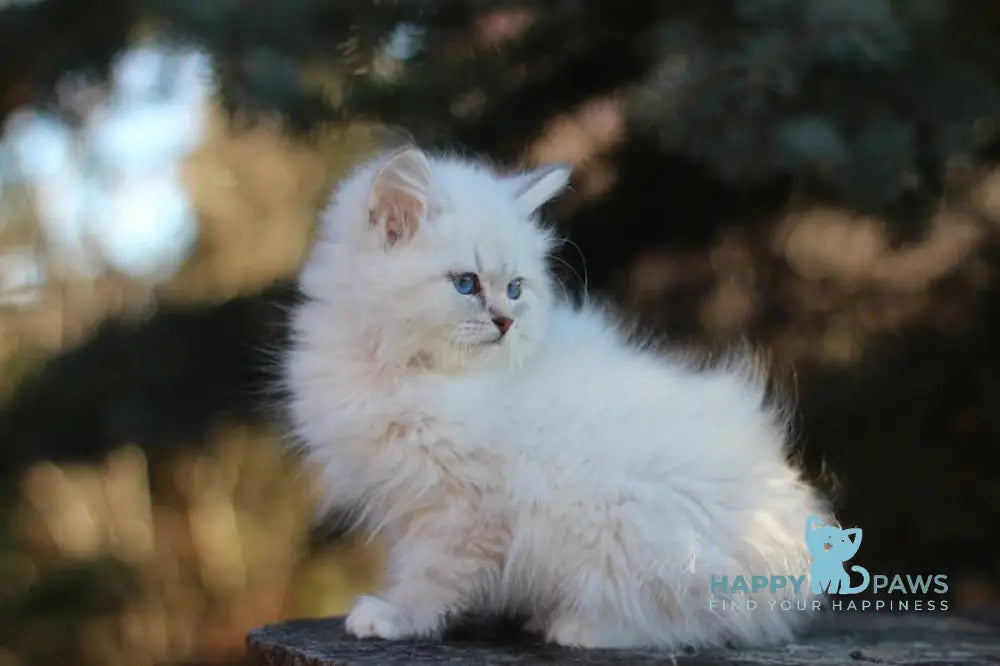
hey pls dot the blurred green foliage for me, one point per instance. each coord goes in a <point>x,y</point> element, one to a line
<point>866,100</point>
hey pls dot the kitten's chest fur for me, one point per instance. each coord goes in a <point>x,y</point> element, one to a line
<point>420,438</point>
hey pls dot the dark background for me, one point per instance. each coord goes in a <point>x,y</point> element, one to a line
<point>817,177</point>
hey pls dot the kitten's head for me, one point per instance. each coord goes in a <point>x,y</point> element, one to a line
<point>438,261</point>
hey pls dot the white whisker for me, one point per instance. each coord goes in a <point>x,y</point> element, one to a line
<point>584,280</point>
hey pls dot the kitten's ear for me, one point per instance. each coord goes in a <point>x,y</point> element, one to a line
<point>400,195</point>
<point>534,188</point>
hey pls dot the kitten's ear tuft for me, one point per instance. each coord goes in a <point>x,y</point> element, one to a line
<point>534,188</point>
<point>400,195</point>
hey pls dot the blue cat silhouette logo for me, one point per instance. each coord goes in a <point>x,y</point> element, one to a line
<point>831,547</point>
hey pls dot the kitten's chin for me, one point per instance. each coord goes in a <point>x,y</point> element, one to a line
<point>466,358</point>
<point>500,353</point>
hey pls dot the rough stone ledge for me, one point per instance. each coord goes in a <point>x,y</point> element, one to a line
<point>839,638</point>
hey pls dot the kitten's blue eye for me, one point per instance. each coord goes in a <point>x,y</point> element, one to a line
<point>466,283</point>
<point>514,289</point>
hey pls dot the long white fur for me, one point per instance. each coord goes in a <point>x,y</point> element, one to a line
<point>560,472</point>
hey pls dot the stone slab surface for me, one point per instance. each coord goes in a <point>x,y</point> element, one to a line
<point>842,638</point>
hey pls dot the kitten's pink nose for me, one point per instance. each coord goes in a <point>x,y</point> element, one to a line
<point>503,324</point>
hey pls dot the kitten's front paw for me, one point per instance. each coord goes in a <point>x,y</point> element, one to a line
<point>372,617</point>
<point>534,625</point>
<point>573,631</point>
<point>569,631</point>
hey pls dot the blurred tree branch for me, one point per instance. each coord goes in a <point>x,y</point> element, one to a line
<point>160,382</point>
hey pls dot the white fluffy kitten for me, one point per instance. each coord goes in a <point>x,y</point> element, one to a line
<point>518,453</point>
